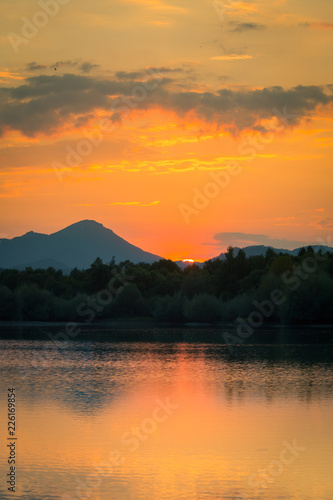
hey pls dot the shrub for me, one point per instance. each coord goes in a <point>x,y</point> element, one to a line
<point>203,308</point>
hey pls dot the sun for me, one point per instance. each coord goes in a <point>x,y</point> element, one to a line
<point>190,261</point>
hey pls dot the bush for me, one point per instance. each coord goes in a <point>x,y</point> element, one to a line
<point>128,302</point>
<point>203,308</point>
<point>7,304</point>
<point>242,306</point>
<point>169,309</point>
<point>311,302</point>
<point>34,304</point>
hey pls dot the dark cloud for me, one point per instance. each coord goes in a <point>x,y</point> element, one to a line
<point>164,69</point>
<point>239,109</point>
<point>45,102</point>
<point>247,239</point>
<point>134,75</point>
<point>62,64</point>
<point>129,75</point>
<point>33,66</point>
<point>82,120</point>
<point>241,27</point>
<point>86,67</point>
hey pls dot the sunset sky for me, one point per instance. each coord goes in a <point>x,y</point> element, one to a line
<point>185,126</point>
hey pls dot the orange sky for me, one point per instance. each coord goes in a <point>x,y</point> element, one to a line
<point>184,126</point>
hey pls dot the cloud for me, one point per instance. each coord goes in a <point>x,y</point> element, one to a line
<point>232,57</point>
<point>239,8</point>
<point>130,203</point>
<point>86,67</point>
<point>165,69</point>
<point>135,75</point>
<point>156,5</point>
<point>133,203</point>
<point>33,66</point>
<point>317,25</point>
<point>61,64</point>
<point>129,75</point>
<point>6,74</point>
<point>247,239</point>
<point>312,210</point>
<point>325,223</point>
<point>207,163</point>
<point>241,27</point>
<point>46,103</point>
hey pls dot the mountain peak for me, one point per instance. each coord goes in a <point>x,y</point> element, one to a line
<point>86,223</point>
<point>83,226</point>
<point>77,245</point>
<point>30,234</point>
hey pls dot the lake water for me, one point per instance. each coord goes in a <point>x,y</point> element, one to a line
<point>166,414</point>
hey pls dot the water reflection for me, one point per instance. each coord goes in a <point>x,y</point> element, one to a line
<point>228,418</point>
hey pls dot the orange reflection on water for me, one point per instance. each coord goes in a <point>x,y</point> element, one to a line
<point>214,430</point>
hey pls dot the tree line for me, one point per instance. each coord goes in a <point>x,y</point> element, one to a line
<point>282,288</point>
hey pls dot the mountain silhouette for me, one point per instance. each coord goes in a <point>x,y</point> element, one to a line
<point>253,250</point>
<point>78,245</point>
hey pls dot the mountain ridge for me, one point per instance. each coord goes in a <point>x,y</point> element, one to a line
<point>77,245</point>
<point>253,250</point>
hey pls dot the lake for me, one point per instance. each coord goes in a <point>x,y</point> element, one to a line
<point>168,413</point>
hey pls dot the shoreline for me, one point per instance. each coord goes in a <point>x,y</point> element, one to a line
<point>150,323</point>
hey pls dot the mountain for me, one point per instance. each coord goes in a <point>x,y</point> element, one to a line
<point>253,250</point>
<point>44,264</point>
<point>77,245</point>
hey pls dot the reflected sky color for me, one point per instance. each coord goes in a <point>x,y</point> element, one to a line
<point>231,421</point>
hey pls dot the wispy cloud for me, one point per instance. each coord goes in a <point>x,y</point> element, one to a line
<point>86,67</point>
<point>232,57</point>
<point>237,27</point>
<point>175,165</point>
<point>317,25</point>
<point>240,8</point>
<point>33,66</point>
<point>314,210</point>
<point>325,223</point>
<point>126,203</point>
<point>6,74</point>
<point>132,203</point>
<point>248,239</point>
<point>156,5</point>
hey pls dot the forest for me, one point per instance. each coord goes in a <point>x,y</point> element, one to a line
<point>279,288</point>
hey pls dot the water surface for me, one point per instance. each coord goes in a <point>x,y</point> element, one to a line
<point>170,414</point>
